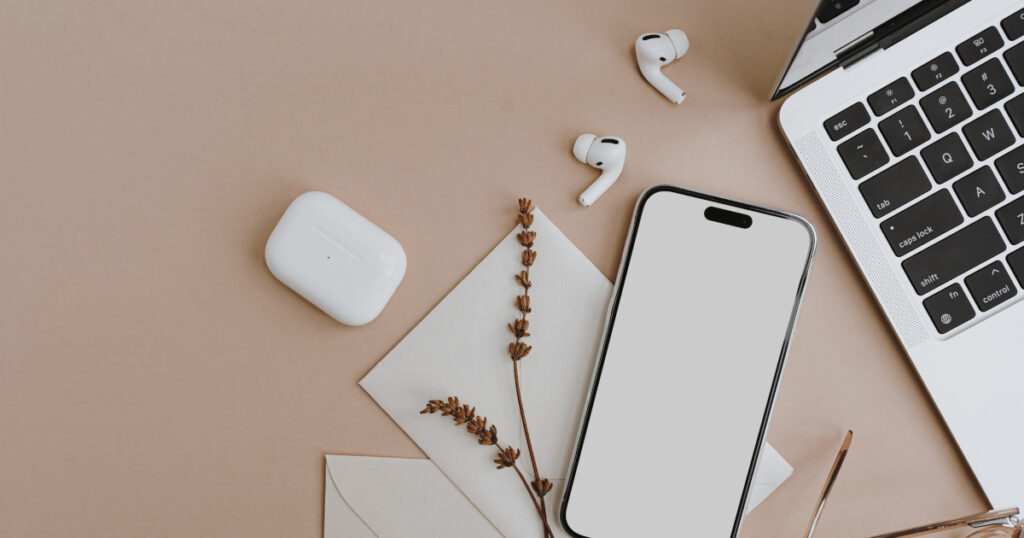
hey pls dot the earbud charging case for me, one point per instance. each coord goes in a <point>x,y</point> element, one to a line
<point>335,258</point>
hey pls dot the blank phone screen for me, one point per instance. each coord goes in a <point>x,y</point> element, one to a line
<point>693,352</point>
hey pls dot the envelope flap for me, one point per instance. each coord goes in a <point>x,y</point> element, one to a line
<point>378,489</point>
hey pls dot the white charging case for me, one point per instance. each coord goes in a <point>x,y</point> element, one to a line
<point>335,258</point>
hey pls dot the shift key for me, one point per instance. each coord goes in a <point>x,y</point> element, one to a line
<point>954,255</point>
<point>922,223</point>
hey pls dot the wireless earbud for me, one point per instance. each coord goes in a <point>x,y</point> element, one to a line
<point>607,154</point>
<point>656,50</point>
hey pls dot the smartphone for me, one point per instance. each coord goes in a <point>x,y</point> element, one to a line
<point>698,328</point>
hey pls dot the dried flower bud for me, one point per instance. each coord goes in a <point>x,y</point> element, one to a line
<point>462,415</point>
<point>523,278</point>
<point>507,457</point>
<point>543,487</point>
<point>488,437</point>
<point>528,257</point>
<point>523,303</point>
<point>477,425</point>
<point>526,238</point>
<point>519,328</point>
<point>518,350</point>
<point>525,205</point>
<point>525,219</point>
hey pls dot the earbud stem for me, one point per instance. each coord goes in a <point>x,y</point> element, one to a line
<point>599,186</point>
<point>661,83</point>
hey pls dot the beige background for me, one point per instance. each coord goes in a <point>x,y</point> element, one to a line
<point>155,379</point>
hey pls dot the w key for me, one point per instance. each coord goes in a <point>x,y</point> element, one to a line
<point>922,222</point>
<point>989,135</point>
<point>904,130</point>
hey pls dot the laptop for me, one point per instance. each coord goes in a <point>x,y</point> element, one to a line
<point>910,126</point>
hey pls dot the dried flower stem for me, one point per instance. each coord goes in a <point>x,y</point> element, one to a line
<point>463,414</point>
<point>518,349</point>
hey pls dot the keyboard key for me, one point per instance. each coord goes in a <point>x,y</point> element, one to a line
<point>1016,261</point>
<point>830,9</point>
<point>863,153</point>
<point>904,130</point>
<point>1015,59</point>
<point>949,309</point>
<point>988,84</point>
<point>1014,25</point>
<point>947,158</point>
<point>1011,217</point>
<point>935,71</point>
<point>847,121</point>
<point>891,96</point>
<point>988,135</point>
<point>979,191</point>
<point>1015,109</point>
<point>949,258</point>
<point>1011,169</point>
<point>946,107</point>
<point>977,47</point>
<point>893,187</point>
<point>922,222</point>
<point>990,286</point>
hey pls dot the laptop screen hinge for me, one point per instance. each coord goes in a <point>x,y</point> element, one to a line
<point>857,50</point>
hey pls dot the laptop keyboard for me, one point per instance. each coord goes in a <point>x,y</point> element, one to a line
<point>942,171</point>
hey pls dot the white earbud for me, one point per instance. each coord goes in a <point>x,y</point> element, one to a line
<point>607,154</point>
<point>656,50</point>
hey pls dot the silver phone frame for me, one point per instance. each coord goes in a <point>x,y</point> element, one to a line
<point>609,325</point>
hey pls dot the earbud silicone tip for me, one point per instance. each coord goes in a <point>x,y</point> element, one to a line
<point>680,42</point>
<point>582,146</point>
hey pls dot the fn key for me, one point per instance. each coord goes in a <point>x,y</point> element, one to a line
<point>949,308</point>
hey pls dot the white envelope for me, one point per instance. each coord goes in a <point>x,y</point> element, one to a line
<point>460,349</point>
<point>368,497</point>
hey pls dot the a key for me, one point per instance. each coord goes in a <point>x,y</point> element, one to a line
<point>988,84</point>
<point>1011,169</point>
<point>935,71</point>
<point>1016,261</point>
<point>946,107</point>
<point>1015,59</point>
<point>922,222</point>
<point>893,187</point>
<point>830,9</point>
<point>979,191</point>
<point>988,135</point>
<point>947,158</point>
<point>990,286</point>
<point>949,309</point>
<point>980,45</point>
<point>1011,217</point>
<point>891,96</point>
<point>846,122</point>
<point>1014,25</point>
<point>863,153</point>
<point>949,258</point>
<point>1015,109</point>
<point>904,130</point>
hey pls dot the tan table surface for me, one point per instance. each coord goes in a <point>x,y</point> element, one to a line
<point>156,380</point>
